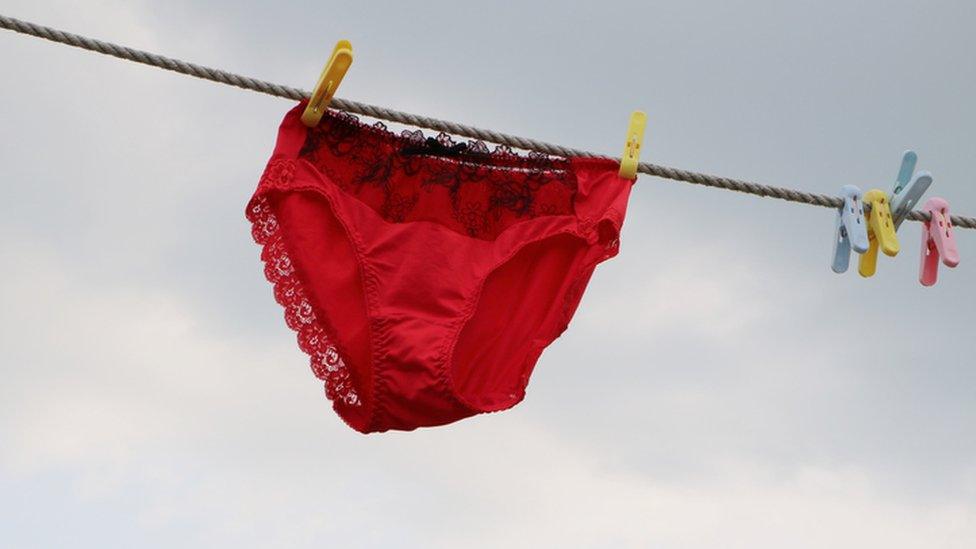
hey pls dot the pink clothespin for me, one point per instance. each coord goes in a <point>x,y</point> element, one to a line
<point>937,241</point>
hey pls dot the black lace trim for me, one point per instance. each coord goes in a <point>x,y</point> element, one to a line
<point>338,129</point>
<point>400,166</point>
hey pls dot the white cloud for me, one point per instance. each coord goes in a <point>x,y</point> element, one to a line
<point>134,395</point>
<point>681,293</point>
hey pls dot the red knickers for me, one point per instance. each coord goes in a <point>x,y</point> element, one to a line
<point>425,277</point>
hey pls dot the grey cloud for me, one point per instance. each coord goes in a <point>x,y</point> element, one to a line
<point>718,383</point>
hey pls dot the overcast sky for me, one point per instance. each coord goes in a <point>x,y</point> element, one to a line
<point>719,386</point>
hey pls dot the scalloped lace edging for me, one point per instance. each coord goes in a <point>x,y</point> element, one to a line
<point>325,360</point>
<point>415,141</point>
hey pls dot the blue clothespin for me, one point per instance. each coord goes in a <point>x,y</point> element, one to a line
<point>851,231</point>
<point>908,189</point>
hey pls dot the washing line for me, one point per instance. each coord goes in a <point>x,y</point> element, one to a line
<point>373,111</point>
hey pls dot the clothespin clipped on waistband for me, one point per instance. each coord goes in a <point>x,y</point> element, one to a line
<point>851,232</point>
<point>635,138</point>
<point>908,188</point>
<point>881,232</point>
<point>937,242</point>
<point>332,74</point>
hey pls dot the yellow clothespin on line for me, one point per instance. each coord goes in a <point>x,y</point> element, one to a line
<point>332,74</point>
<point>881,232</point>
<point>635,138</point>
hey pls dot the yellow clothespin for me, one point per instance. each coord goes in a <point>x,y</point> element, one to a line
<point>635,138</point>
<point>326,87</point>
<point>881,232</point>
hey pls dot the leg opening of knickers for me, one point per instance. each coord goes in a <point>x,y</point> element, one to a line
<point>518,313</point>
<point>330,273</point>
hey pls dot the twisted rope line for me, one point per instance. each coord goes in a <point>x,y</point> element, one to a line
<point>373,111</point>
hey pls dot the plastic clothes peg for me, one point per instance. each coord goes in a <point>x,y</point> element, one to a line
<point>937,242</point>
<point>881,232</point>
<point>635,139</point>
<point>328,83</point>
<point>851,232</point>
<point>908,188</point>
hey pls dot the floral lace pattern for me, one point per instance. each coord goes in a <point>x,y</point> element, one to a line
<point>461,185</point>
<point>326,362</point>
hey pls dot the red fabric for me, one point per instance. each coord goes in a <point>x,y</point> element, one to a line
<point>425,277</point>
